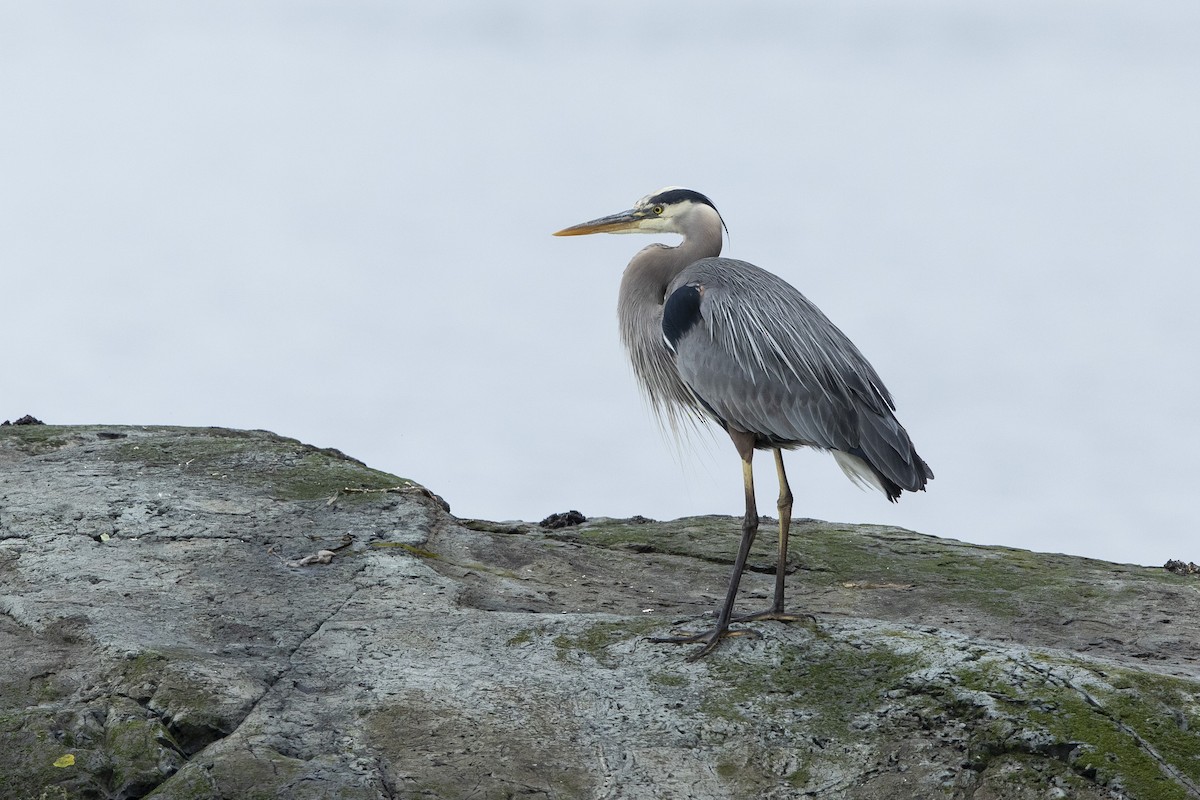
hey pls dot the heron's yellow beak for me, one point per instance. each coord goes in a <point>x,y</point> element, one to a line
<point>625,222</point>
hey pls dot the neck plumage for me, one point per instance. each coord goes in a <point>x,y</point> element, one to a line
<point>639,312</point>
<point>654,267</point>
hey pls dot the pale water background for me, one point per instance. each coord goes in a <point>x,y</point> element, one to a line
<point>332,220</point>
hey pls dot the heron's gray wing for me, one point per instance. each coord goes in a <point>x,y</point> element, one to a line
<point>765,360</point>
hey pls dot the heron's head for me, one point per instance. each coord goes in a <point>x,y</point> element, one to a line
<point>670,210</point>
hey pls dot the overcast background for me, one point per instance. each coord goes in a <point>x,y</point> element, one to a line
<point>332,220</point>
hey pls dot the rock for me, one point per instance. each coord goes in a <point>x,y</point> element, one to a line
<point>563,520</point>
<point>154,629</point>
<point>28,419</point>
<point>1182,568</point>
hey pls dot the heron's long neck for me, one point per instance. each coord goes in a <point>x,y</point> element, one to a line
<point>644,285</point>
<point>639,312</point>
<point>652,270</point>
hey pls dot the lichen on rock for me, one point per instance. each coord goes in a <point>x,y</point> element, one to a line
<point>163,635</point>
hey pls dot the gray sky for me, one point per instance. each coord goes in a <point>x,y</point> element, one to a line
<point>332,220</point>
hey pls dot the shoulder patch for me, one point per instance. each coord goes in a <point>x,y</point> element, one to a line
<point>681,312</point>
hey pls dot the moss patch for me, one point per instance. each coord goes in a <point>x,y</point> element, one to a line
<point>1025,722</point>
<point>596,639</point>
<point>510,754</point>
<point>114,751</point>
<point>411,549</point>
<point>1114,729</point>
<point>285,468</point>
<point>247,774</point>
<point>998,581</point>
<point>710,538</point>
<point>37,439</point>
<point>833,682</point>
<point>28,754</point>
<point>669,679</point>
<point>520,638</point>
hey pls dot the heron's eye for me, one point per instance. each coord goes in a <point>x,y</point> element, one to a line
<point>658,210</point>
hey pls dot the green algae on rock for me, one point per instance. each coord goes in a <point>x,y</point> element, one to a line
<point>155,642</point>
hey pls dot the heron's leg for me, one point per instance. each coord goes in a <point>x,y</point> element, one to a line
<point>785,525</point>
<point>749,531</point>
<point>776,611</point>
<point>712,637</point>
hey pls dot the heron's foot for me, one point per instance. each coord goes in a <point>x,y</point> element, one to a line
<point>777,614</point>
<point>710,638</point>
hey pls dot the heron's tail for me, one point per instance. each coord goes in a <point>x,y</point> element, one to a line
<point>885,458</point>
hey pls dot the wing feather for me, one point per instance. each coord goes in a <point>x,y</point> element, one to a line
<point>765,360</point>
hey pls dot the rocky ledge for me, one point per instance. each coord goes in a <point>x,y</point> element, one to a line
<point>209,613</point>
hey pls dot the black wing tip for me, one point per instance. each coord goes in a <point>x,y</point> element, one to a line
<point>893,490</point>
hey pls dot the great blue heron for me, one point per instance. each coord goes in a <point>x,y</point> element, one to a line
<point>723,339</point>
